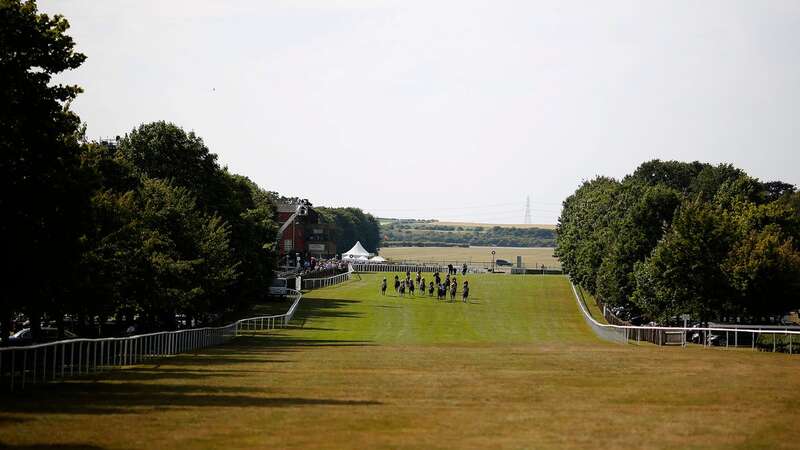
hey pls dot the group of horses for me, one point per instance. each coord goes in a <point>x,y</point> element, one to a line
<point>441,287</point>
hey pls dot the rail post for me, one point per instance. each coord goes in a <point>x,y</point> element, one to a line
<point>24,366</point>
<point>13,369</point>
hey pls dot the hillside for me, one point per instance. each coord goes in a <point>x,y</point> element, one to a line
<point>402,233</point>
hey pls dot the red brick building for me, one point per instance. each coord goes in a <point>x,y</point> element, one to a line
<point>306,235</point>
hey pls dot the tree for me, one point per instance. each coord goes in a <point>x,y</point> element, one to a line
<point>676,238</point>
<point>674,174</point>
<point>683,274</point>
<point>352,225</point>
<point>190,265</point>
<point>582,230</point>
<point>641,216</point>
<point>764,268</point>
<point>42,190</point>
<point>165,151</point>
<point>162,150</point>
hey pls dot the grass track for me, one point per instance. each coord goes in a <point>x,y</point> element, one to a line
<point>530,309</point>
<point>517,369</point>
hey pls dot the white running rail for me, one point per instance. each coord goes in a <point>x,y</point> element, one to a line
<point>53,361</point>
<point>315,283</point>
<point>757,338</point>
<point>413,268</point>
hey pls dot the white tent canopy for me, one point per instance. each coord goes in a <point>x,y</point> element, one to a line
<point>377,259</point>
<point>355,252</point>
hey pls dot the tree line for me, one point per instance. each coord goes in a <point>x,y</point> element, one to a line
<point>147,230</point>
<point>352,225</point>
<point>679,238</point>
<point>417,234</point>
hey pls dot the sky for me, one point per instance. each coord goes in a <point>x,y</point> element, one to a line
<point>455,110</point>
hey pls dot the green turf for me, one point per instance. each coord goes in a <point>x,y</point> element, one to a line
<point>516,368</point>
<point>501,309</point>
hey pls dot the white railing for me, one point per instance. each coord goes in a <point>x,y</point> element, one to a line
<point>58,360</point>
<point>384,267</point>
<point>766,338</point>
<point>316,283</point>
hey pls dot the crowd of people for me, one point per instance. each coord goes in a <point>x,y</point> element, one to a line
<point>440,286</point>
<point>312,265</point>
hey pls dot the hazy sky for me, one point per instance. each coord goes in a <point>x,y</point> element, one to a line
<point>450,110</point>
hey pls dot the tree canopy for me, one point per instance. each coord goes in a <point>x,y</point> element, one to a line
<point>43,191</point>
<point>675,238</point>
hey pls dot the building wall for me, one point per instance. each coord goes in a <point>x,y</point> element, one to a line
<point>309,237</point>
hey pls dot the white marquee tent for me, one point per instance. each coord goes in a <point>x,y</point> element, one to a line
<point>377,259</point>
<point>356,252</point>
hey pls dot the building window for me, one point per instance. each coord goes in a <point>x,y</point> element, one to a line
<point>287,245</point>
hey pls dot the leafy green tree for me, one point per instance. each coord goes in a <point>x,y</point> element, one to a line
<point>189,259</point>
<point>352,225</point>
<point>165,151</point>
<point>730,249</point>
<point>683,274</point>
<point>253,237</point>
<point>764,268</point>
<point>775,190</point>
<point>642,214</point>
<point>711,178</point>
<point>42,192</point>
<point>582,230</point>
<point>674,174</point>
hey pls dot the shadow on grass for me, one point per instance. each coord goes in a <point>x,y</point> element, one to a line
<point>259,345</point>
<point>50,447</point>
<point>142,388</point>
<point>311,308</point>
<point>11,421</point>
<point>156,372</point>
<point>82,397</point>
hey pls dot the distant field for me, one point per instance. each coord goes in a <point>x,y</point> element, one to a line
<point>530,256</point>
<point>517,367</point>
<point>547,226</point>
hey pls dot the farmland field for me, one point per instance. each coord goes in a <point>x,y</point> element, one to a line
<point>502,225</point>
<point>516,367</point>
<point>548,226</point>
<point>530,256</point>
